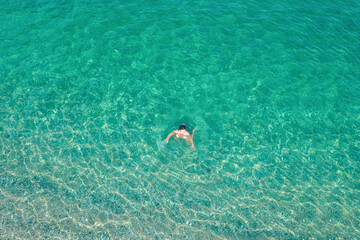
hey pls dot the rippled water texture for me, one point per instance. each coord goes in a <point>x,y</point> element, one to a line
<point>89,89</point>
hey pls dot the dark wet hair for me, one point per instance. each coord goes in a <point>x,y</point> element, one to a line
<point>182,126</point>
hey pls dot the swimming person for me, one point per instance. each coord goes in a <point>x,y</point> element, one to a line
<point>182,133</point>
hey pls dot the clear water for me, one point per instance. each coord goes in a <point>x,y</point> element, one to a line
<point>89,89</point>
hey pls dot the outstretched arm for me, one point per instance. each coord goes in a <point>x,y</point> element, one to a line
<point>193,131</point>
<point>169,136</point>
<point>192,138</point>
<point>192,144</point>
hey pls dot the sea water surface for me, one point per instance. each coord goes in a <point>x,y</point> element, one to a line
<point>90,89</point>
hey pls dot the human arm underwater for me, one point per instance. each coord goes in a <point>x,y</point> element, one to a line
<point>192,138</point>
<point>169,136</point>
<point>193,131</point>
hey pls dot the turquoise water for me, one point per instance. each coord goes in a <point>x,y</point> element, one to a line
<point>89,89</point>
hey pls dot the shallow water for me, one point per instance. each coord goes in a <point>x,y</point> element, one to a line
<point>89,90</point>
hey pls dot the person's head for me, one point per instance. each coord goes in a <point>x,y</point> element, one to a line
<point>182,127</point>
